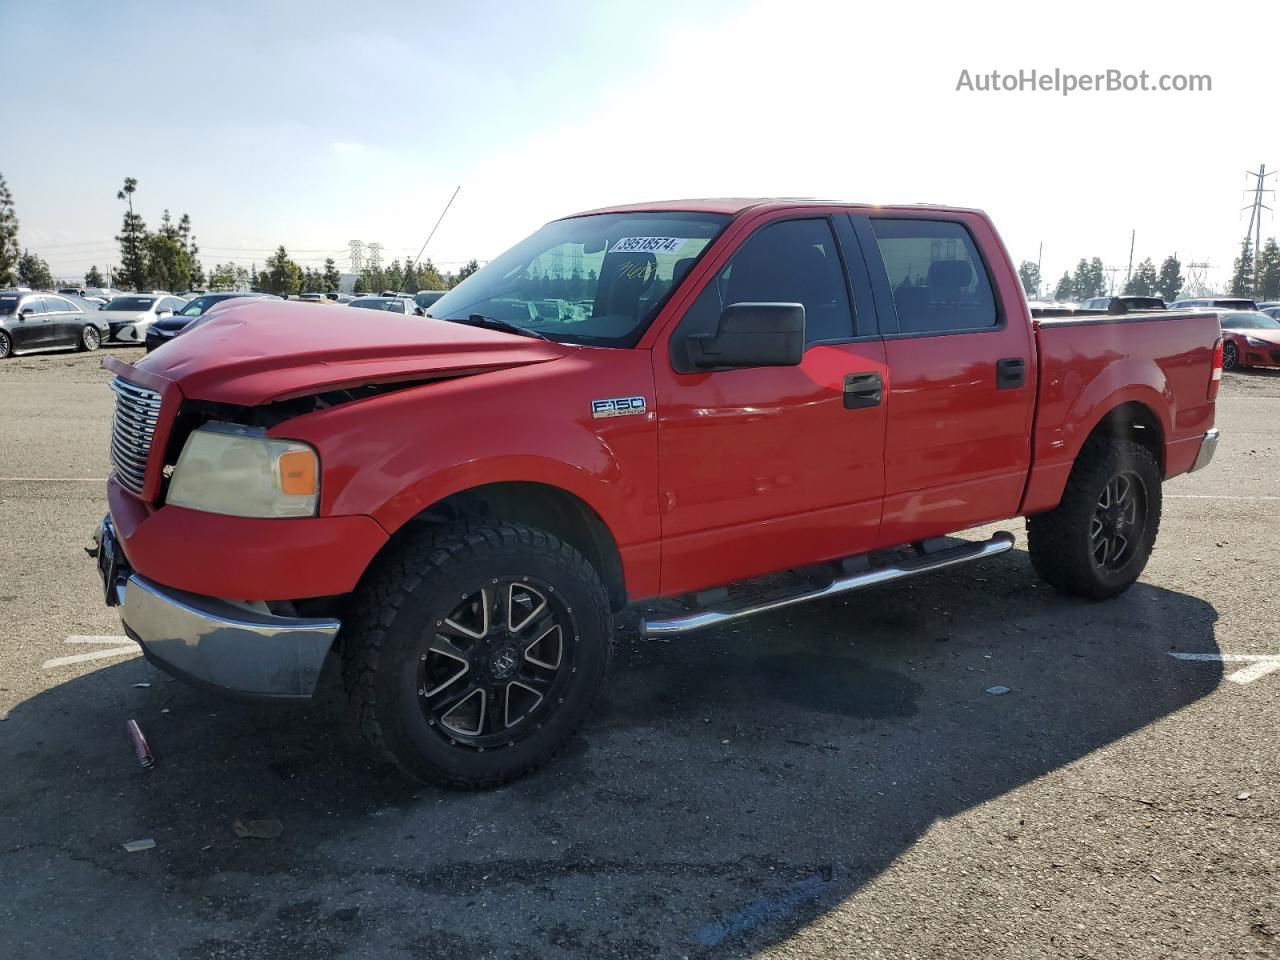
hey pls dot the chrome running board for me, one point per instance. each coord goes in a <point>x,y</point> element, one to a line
<point>900,570</point>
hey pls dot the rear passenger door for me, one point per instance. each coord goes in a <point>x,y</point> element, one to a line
<point>64,321</point>
<point>961,391</point>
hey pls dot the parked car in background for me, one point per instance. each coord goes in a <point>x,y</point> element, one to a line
<point>41,321</point>
<point>315,298</point>
<point>1214,303</point>
<point>165,329</point>
<point>1250,338</point>
<point>1270,311</point>
<point>390,304</point>
<point>1125,303</point>
<point>130,315</point>
<point>425,298</point>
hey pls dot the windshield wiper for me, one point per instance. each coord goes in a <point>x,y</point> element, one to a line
<point>493,323</point>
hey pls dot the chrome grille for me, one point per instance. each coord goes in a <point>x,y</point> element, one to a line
<point>132,431</point>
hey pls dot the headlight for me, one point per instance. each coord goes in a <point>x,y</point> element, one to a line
<point>1256,343</point>
<point>234,470</point>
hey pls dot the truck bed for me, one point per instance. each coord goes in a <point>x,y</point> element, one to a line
<point>1162,360</point>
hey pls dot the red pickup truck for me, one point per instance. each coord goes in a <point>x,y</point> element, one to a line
<point>661,400</point>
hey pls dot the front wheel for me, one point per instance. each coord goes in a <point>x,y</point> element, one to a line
<point>476,651</point>
<point>1098,539</point>
<point>1230,356</point>
<point>90,338</point>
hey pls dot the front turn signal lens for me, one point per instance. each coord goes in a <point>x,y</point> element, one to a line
<point>299,476</point>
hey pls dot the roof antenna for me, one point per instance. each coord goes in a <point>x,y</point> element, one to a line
<point>408,271</point>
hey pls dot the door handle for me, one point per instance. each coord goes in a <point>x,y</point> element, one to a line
<point>862,390</point>
<point>1011,373</point>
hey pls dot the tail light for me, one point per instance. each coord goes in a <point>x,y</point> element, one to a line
<point>1215,378</point>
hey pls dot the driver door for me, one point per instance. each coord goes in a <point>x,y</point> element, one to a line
<point>764,469</point>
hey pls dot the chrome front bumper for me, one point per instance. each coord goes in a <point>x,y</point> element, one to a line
<point>231,648</point>
<point>1208,446</point>
<point>225,646</point>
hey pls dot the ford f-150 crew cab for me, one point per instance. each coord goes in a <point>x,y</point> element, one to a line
<point>660,400</point>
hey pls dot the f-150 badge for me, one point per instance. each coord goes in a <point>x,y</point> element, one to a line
<point>617,407</point>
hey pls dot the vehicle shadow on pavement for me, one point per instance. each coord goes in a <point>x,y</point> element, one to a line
<point>731,787</point>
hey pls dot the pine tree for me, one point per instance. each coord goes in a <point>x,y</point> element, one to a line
<point>1242,271</point>
<point>8,237</point>
<point>1269,271</point>
<point>1097,277</point>
<point>282,276</point>
<point>1029,274</point>
<point>93,278</point>
<point>1063,291</point>
<point>133,264</point>
<point>470,268</point>
<point>1144,280</point>
<point>1169,283</point>
<point>331,279</point>
<point>33,272</point>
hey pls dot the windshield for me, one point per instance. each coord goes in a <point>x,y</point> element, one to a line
<point>130,303</point>
<point>1249,321</point>
<point>199,305</point>
<point>597,280</point>
<point>378,305</point>
<point>8,305</point>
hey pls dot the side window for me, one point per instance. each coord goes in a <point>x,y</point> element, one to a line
<point>36,305</point>
<point>939,281</point>
<point>791,261</point>
<point>58,305</point>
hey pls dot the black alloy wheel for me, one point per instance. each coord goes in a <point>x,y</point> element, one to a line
<point>496,663</point>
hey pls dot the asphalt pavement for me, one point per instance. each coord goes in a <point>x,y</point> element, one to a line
<point>834,780</point>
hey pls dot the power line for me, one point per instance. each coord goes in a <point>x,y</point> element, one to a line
<point>1255,217</point>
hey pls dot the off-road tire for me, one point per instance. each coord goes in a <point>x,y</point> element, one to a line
<point>1060,542</point>
<point>394,616</point>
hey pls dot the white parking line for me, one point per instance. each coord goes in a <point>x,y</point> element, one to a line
<point>130,651</point>
<point>1212,496</point>
<point>119,650</point>
<point>1259,664</point>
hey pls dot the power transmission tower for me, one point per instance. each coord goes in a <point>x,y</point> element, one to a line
<point>1197,275</point>
<point>357,256</point>
<point>1113,271</point>
<point>1255,215</point>
<point>375,256</point>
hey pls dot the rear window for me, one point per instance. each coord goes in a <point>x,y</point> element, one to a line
<point>130,303</point>
<point>939,281</point>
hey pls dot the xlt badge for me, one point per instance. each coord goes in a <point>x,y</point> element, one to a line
<point>617,407</point>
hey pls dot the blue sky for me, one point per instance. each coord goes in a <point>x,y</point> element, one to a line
<point>311,124</point>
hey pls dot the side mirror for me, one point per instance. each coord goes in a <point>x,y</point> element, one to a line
<point>164,312</point>
<point>748,335</point>
<point>25,312</point>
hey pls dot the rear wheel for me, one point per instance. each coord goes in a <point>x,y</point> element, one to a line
<point>6,345</point>
<point>1096,542</point>
<point>476,651</point>
<point>1230,356</point>
<point>90,338</point>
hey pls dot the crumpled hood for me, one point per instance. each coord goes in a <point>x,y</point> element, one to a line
<point>264,351</point>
